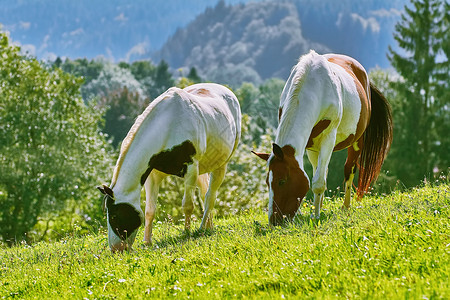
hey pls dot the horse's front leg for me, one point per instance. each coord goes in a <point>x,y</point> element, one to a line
<point>215,181</point>
<point>319,182</point>
<point>190,182</point>
<point>151,186</point>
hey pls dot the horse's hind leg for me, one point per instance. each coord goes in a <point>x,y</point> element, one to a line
<point>190,181</point>
<point>203,183</point>
<point>216,180</point>
<point>151,194</point>
<point>353,153</point>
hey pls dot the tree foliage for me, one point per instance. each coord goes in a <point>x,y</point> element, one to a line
<point>122,90</point>
<point>122,107</point>
<point>52,153</point>
<point>421,115</point>
<point>87,69</point>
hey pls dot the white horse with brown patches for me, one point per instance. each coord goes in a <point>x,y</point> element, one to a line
<point>327,104</point>
<point>191,133</point>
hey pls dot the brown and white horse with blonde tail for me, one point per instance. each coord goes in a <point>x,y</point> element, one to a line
<point>327,104</point>
<point>191,133</point>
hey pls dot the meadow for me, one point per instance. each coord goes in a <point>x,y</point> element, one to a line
<point>386,247</point>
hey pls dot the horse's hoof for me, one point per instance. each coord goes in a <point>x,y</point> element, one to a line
<point>147,244</point>
<point>314,217</point>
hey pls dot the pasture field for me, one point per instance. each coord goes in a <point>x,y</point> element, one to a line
<point>386,247</point>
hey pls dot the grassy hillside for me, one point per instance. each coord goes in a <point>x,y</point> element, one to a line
<point>391,247</point>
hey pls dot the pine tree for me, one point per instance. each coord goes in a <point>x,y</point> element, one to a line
<point>193,75</point>
<point>423,65</point>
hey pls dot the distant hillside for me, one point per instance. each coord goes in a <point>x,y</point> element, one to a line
<point>256,41</point>
<point>115,29</point>
<point>240,43</point>
<point>249,42</point>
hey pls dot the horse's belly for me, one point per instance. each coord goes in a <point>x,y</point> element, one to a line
<point>218,152</point>
<point>346,132</point>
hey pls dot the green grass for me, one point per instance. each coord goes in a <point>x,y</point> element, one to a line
<point>392,247</point>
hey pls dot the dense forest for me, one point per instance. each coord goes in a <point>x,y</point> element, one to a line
<point>62,121</point>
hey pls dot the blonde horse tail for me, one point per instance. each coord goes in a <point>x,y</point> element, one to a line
<point>377,140</point>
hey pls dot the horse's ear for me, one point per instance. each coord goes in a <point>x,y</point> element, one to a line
<point>100,188</point>
<point>277,151</point>
<point>105,190</point>
<point>264,156</point>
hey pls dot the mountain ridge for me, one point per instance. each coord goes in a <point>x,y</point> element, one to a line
<point>120,30</point>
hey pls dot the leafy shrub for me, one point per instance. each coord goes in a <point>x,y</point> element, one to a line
<point>51,150</point>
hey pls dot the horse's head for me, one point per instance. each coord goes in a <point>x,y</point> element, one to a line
<point>287,183</point>
<point>123,221</point>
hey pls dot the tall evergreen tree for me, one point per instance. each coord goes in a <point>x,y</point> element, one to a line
<point>423,65</point>
<point>163,79</point>
<point>193,75</point>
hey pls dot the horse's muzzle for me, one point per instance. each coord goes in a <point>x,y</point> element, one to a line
<point>277,218</point>
<point>119,247</point>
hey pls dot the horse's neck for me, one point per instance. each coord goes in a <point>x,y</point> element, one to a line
<point>135,158</point>
<point>301,103</point>
<point>296,124</point>
<point>295,137</point>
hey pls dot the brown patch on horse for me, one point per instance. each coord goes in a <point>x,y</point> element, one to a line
<point>352,160</point>
<point>200,92</point>
<point>345,143</point>
<point>289,183</point>
<point>363,87</point>
<point>317,129</point>
<point>173,161</point>
<point>280,112</point>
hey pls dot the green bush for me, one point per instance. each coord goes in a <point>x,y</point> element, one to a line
<point>51,151</point>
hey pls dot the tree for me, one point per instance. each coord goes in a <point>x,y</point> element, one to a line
<point>112,78</point>
<point>122,108</point>
<point>81,67</point>
<point>162,81</point>
<point>51,150</point>
<point>423,65</point>
<point>261,104</point>
<point>193,76</point>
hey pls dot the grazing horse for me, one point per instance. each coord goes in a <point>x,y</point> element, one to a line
<point>327,104</point>
<point>184,132</point>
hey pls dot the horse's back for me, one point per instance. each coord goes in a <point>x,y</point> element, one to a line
<point>355,99</point>
<point>327,92</point>
<point>217,97</point>
<point>342,86</point>
<point>220,112</point>
<point>206,115</point>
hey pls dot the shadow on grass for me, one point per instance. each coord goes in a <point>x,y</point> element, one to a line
<point>252,227</point>
<point>300,220</point>
<point>182,237</point>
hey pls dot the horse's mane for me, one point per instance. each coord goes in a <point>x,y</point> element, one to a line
<point>126,143</point>
<point>290,104</point>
